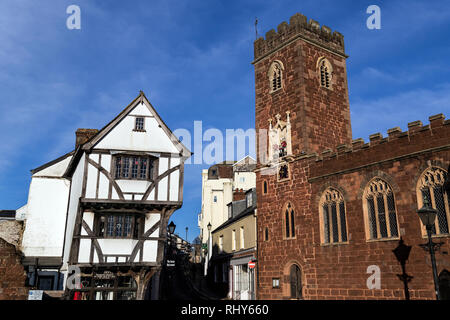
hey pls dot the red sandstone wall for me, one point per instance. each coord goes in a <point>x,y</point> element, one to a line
<point>339,271</point>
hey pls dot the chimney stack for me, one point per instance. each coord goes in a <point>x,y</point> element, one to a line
<point>83,136</point>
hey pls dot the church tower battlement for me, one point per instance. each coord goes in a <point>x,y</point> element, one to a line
<point>300,71</point>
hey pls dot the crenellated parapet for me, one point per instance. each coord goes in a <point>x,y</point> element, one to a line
<point>299,26</point>
<point>398,144</point>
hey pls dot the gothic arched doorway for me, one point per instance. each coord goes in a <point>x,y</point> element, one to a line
<point>295,278</point>
<point>444,285</point>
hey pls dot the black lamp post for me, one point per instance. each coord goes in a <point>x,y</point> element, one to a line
<point>171,227</point>
<point>428,215</point>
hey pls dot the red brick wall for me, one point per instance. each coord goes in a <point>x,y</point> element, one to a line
<point>12,274</point>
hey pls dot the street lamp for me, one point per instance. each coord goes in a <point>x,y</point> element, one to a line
<point>171,227</point>
<point>428,215</point>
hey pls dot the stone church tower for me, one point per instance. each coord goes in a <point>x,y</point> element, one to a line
<point>329,207</point>
<point>302,103</point>
<point>300,71</point>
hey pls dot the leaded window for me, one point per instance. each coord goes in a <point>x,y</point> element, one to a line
<point>380,211</point>
<point>118,226</point>
<point>134,167</point>
<point>431,186</point>
<point>333,217</point>
<point>139,124</point>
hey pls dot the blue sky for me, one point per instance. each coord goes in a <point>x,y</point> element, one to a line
<point>192,58</point>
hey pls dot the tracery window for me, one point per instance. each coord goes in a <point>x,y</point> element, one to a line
<point>431,185</point>
<point>379,211</point>
<point>325,72</point>
<point>276,76</point>
<point>333,217</point>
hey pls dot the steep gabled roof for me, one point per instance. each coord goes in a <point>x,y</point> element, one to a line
<point>91,143</point>
<point>141,98</point>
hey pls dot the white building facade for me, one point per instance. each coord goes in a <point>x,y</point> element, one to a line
<point>103,208</point>
<point>219,182</point>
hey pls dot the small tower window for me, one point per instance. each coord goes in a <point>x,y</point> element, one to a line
<point>276,76</point>
<point>325,73</point>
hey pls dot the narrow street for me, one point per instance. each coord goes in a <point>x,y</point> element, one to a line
<point>183,282</point>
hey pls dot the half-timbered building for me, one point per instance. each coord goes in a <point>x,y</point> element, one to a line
<point>104,207</point>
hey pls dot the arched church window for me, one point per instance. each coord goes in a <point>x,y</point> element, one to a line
<point>333,217</point>
<point>431,186</point>
<point>289,222</point>
<point>379,211</point>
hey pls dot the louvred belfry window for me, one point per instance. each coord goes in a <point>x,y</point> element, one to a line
<point>276,76</point>
<point>325,73</point>
<point>431,186</point>
<point>333,217</point>
<point>380,212</point>
<point>136,167</point>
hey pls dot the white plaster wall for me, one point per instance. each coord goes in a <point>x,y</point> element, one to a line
<point>117,246</point>
<point>46,217</point>
<point>150,251</point>
<point>88,217</point>
<point>91,184</point>
<point>85,251</point>
<point>75,194</point>
<point>21,213</point>
<point>151,246</point>
<point>150,220</point>
<point>248,183</point>
<point>103,188</point>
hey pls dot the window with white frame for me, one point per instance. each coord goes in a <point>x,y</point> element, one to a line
<point>241,238</point>
<point>249,199</point>
<point>233,240</point>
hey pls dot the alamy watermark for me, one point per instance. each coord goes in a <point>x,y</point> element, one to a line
<point>374,20</point>
<point>74,20</point>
